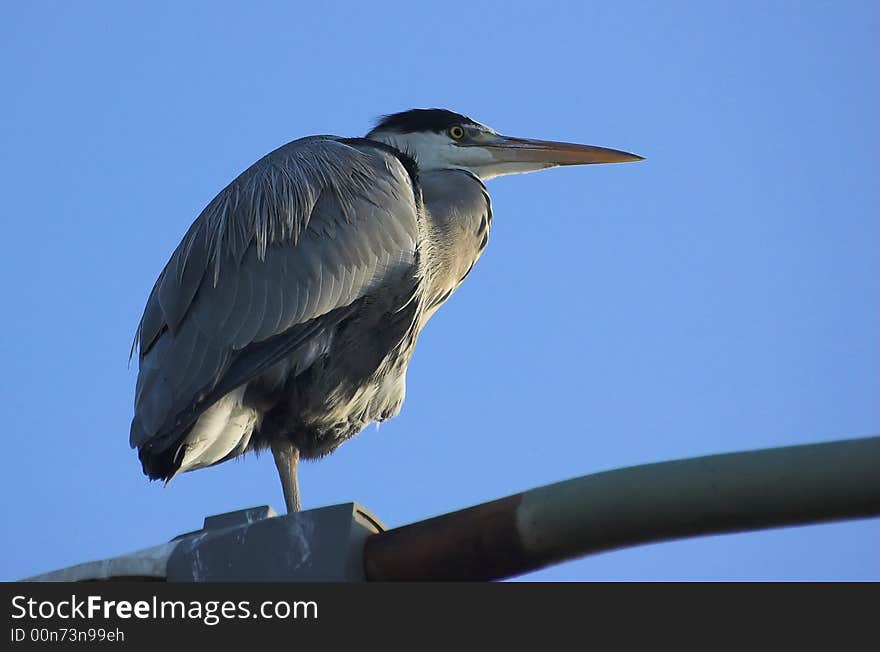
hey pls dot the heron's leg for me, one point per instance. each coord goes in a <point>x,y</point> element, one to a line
<point>286,456</point>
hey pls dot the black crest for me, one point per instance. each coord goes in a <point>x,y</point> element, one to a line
<point>437,120</point>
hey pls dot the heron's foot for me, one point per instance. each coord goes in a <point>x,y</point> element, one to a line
<point>286,456</point>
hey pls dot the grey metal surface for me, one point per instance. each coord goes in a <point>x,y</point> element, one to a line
<point>316,545</point>
<point>253,544</point>
<point>146,564</point>
<point>732,492</point>
<point>239,518</point>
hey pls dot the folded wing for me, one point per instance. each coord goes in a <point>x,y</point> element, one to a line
<point>277,258</point>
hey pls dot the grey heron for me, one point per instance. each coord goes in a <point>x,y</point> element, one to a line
<point>287,315</point>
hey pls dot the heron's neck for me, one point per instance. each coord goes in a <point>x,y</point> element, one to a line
<point>458,214</point>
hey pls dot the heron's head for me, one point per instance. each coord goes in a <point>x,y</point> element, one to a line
<point>439,139</point>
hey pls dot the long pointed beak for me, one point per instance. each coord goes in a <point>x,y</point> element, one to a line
<point>507,149</point>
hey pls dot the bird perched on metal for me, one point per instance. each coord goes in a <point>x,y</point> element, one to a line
<point>287,315</point>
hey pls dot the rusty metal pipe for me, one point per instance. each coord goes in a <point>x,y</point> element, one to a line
<point>733,492</point>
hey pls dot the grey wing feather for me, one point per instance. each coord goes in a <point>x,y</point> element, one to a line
<point>294,240</point>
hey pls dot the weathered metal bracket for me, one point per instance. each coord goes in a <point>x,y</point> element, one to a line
<point>253,545</point>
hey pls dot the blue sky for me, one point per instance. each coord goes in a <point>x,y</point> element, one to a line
<point>720,296</point>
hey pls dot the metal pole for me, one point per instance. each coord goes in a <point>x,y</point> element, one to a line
<point>706,495</point>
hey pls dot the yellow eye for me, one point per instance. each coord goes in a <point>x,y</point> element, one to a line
<point>456,132</point>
